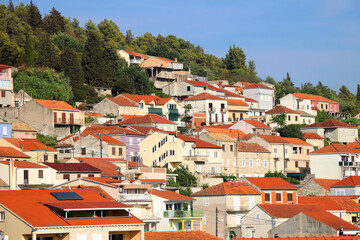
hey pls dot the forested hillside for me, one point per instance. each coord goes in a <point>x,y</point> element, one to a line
<point>54,51</point>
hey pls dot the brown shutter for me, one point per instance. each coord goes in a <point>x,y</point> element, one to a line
<point>55,117</point>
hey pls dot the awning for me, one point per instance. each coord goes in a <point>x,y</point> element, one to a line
<point>157,111</point>
<point>136,186</point>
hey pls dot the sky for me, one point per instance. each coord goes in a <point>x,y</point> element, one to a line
<point>312,40</point>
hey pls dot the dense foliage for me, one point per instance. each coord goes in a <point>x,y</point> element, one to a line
<point>47,140</point>
<point>283,176</point>
<point>292,131</point>
<point>184,180</point>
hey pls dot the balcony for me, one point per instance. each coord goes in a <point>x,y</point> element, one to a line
<point>135,61</point>
<point>183,214</point>
<point>196,158</point>
<point>136,197</point>
<point>212,109</point>
<point>223,110</point>
<point>68,121</point>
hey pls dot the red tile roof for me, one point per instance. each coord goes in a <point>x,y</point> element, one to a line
<point>331,123</point>
<point>250,100</point>
<point>296,141</point>
<point>332,203</point>
<point>52,104</point>
<point>108,139</point>
<point>146,130</point>
<point>106,180</point>
<point>138,98</point>
<point>204,96</point>
<point>233,133</point>
<point>257,124</point>
<point>270,183</point>
<point>29,144</point>
<point>305,238</point>
<point>228,188</point>
<point>199,143</point>
<point>231,94</point>
<point>180,235</point>
<point>348,182</point>
<point>9,152</point>
<point>107,168</point>
<point>281,109</point>
<point>288,210</point>
<point>325,183</point>
<point>153,180</point>
<point>135,164</point>
<point>331,220</point>
<point>123,101</point>
<point>312,136</point>
<point>236,102</point>
<point>169,195</point>
<point>29,206</point>
<point>2,66</point>
<point>108,130</point>
<point>23,164</point>
<point>72,167</point>
<point>66,138</point>
<point>336,148</point>
<point>256,85</point>
<point>136,54</point>
<point>149,118</point>
<point>93,114</point>
<point>355,144</point>
<point>203,84</point>
<point>312,97</point>
<point>251,147</point>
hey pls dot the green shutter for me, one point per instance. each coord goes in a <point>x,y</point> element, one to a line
<point>173,114</point>
<point>157,111</point>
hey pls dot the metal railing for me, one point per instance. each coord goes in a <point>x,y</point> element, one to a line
<point>135,197</point>
<point>75,121</point>
<point>196,158</point>
<point>183,214</point>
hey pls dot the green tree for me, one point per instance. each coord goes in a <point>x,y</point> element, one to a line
<point>133,80</point>
<point>283,176</point>
<point>9,51</point>
<point>47,140</point>
<point>270,80</point>
<point>184,177</point>
<point>11,7</point>
<point>322,116</point>
<point>63,40</point>
<point>112,34</point>
<point>44,84</point>
<point>29,50</point>
<point>54,22</point>
<point>279,119</point>
<point>235,58</point>
<point>291,130</point>
<point>285,87</point>
<point>48,53</point>
<point>129,37</point>
<point>33,16</point>
<point>162,51</point>
<point>358,93</point>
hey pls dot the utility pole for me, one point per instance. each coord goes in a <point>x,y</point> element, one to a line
<point>216,231</point>
<point>101,148</point>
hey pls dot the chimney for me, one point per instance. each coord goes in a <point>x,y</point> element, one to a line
<point>175,59</point>
<point>220,83</point>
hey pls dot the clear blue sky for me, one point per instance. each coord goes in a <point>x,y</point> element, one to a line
<point>313,40</point>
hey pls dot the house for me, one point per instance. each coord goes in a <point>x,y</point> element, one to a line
<point>238,109</point>
<point>6,87</point>
<point>274,190</point>
<point>108,166</point>
<point>316,187</point>
<point>132,57</point>
<point>189,88</point>
<point>264,217</point>
<point>21,174</point>
<point>291,116</point>
<point>50,117</point>
<point>70,171</point>
<point>255,113</point>
<point>314,223</point>
<point>309,103</point>
<point>263,94</point>
<point>228,201</point>
<point>102,91</point>
<point>340,160</point>
<point>194,235</point>
<point>214,107</point>
<point>5,129</point>
<point>224,128</point>
<point>252,126</point>
<point>22,130</point>
<point>150,120</point>
<point>38,151</point>
<point>66,214</point>
<point>334,130</point>
<point>21,97</point>
<point>349,186</point>
<point>314,139</point>
<point>170,207</point>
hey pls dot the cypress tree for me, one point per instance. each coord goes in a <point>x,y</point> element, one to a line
<point>33,16</point>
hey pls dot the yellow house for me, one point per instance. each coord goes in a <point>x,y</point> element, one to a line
<point>238,109</point>
<point>291,116</point>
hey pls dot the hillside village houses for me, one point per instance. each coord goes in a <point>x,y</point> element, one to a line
<point>109,179</point>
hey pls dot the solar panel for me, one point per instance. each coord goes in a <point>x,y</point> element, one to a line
<point>66,196</point>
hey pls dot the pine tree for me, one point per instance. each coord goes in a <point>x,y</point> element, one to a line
<point>33,16</point>
<point>54,22</point>
<point>11,7</point>
<point>358,93</point>
<point>29,50</point>
<point>48,53</point>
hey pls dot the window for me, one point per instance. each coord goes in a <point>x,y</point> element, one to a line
<point>215,154</point>
<point>236,203</point>
<point>296,118</point>
<point>55,157</point>
<point>205,202</point>
<point>289,197</point>
<point>207,153</point>
<point>41,174</point>
<point>141,106</point>
<point>308,151</point>
<point>46,157</point>
<point>130,141</point>
<point>307,107</point>
<point>265,163</point>
<point>309,121</point>
<point>90,175</point>
<point>267,197</point>
<point>120,152</point>
<point>353,219</point>
<point>295,150</point>
<point>66,177</point>
<point>258,163</point>
<point>2,93</point>
<point>275,150</point>
<point>296,164</point>
<point>79,176</point>
<point>278,197</point>
<point>352,158</point>
<point>83,151</point>
<point>231,148</point>
<point>257,217</point>
<point>213,170</point>
<point>250,163</point>
<point>223,147</point>
<point>289,117</point>
<point>243,162</point>
<point>116,237</point>
<point>303,120</point>
<point>5,131</point>
<point>2,216</point>
<point>188,88</point>
<point>172,152</point>
<point>113,150</point>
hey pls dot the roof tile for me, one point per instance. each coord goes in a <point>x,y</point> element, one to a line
<point>72,167</point>
<point>271,183</point>
<point>149,118</point>
<point>169,195</point>
<point>281,109</point>
<point>52,104</point>
<point>204,96</point>
<point>331,123</point>
<point>312,97</point>
<point>228,188</point>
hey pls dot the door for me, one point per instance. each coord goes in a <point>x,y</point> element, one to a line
<point>26,176</point>
<point>71,119</point>
<point>180,226</point>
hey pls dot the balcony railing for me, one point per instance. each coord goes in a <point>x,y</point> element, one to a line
<point>349,164</point>
<point>223,110</point>
<point>69,121</point>
<point>135,61</point>
<point>135,197</point>
<point>183,214</point>
<point>211,109</point>
<point>196,158</point>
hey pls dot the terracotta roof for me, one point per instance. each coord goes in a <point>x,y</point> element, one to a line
<point>304,238</point>
<point>93,114</point>
<point>228,188</point>
<point>231,94</point>
<point>312,136</point>
<point>99,190</point>
<point>72,167</point>
<point>271,183</point>
<point>146,130</point>
<point>199,143</point>
<point>331,220</point>
<point>355,144</point>
<point>256,85</point>
<point>138,98</point>
<point>233,133</point>
<point>108,139</point>
<point>296,141</point>
<point>108,130</point>
<point>29,206</point>
<point>153,180</point>
<point>23,164</point>
<point>66,138</point>
<point>123,101</point>
<point>326,183</point>
<point>22,127</point>
<point>204,96</point>
<point>29,144</point>
<point>107,168</point>
<point>169,195</point>
<point>332,203</point>
<point>348,182</point>
<point>236,102</point>
<point>11,153</point>
<point>203,84</point>
<point>52,104</point>
<point>336,148</point>
<point>281,109</point>
<point>149,118</point>
<point>257,124</point>
<point>132,164</point>
<point>220,136</point>
<point>288,210</point>
<point>125,116</point>
<point>106,180</point>
<point>180,235</point>
<point>136,54</point>
<point>250,100</point>
<point>251,147</point>
<point>312,97</point>
<point>331,123</point>
<point>2,66</point>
